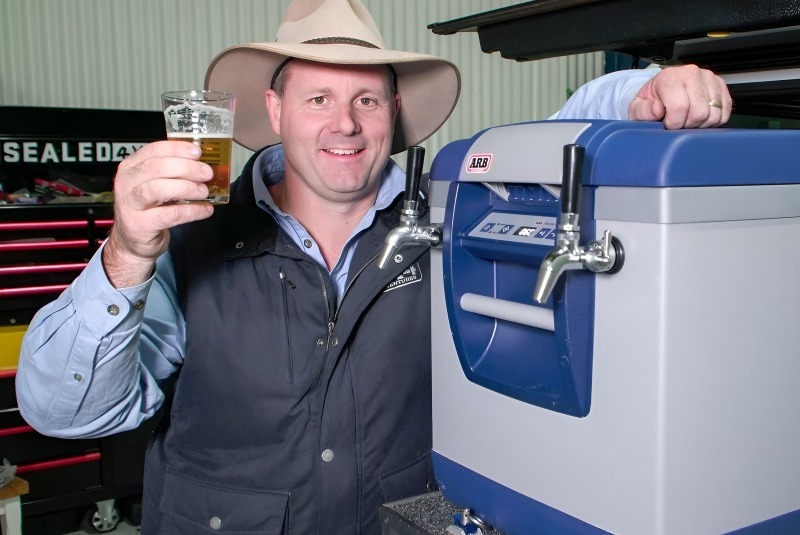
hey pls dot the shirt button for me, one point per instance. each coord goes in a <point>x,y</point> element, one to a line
<point>113,310</point>
<point>327,456</point>
<point>335,342</point>
<point>320,342</point>
<point>307,243</point>
<point>239,245</point>
<point>138,305</point>
<point>78,377</point>
<point>215,522</point>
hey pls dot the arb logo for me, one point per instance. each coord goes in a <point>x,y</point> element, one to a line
<point>479,163</point>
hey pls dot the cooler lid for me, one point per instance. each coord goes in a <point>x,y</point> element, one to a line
<point>630,153</point>
<point>623,154</point>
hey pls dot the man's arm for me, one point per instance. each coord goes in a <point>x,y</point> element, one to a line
<point>679,96</point>
<point>81,372</point>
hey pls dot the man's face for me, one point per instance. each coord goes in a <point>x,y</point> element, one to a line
<point>336,124</point>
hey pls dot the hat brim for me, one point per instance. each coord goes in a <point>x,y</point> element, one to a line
<point>428,86</point>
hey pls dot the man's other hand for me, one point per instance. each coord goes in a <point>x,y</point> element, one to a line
<point>683,97</point>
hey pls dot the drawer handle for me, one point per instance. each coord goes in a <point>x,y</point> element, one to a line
<point>42,268</point>
<point>32,290</point>
<point>53,225</point>
<point>8,431</point>
<point>45,245</point>
<point>59,463</point>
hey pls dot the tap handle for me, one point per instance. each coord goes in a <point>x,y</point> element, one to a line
<point>571,179</point>
<point>416,155</point>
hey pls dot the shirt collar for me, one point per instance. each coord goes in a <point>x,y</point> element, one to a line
<point>270,167</point>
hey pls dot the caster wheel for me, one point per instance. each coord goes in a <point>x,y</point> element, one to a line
<point>96,522</point>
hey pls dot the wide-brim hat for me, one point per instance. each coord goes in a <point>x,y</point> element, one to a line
<point>339,32</point>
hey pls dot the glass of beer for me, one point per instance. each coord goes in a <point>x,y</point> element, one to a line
<point>204,118</point>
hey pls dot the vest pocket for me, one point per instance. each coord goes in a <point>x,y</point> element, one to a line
<point>410,480</point>
<point>193,507</point>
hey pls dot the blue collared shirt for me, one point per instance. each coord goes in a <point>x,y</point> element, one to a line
<point>269,169</point>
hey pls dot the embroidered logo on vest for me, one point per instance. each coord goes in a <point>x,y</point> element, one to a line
<point>411,275</point>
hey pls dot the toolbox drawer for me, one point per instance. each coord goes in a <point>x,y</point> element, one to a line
<point>42,250</point>
<point>8,397</point>
<point>21,444</point>
<point>52,466</point>
<point>68,472</point>
<point>62,476</point>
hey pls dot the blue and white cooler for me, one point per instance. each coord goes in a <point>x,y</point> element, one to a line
<point>660,396</point>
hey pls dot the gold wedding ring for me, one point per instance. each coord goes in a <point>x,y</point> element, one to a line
<point>714,103</point>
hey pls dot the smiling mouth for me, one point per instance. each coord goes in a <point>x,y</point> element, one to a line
<point>343,152</point>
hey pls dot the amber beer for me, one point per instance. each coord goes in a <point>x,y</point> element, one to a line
<point>216,153</point>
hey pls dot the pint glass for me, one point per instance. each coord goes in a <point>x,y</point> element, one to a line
<point>204,118</point>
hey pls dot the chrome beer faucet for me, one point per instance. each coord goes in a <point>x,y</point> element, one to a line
<point>604,256</point>
<point>409,231</point>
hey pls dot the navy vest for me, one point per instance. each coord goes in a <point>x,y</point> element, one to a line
<point>288,415</point>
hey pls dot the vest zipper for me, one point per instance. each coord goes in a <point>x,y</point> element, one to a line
<point>350,284</point>
<point>331,325</point>
<point>332,321</point>
<point>325,297</point>
<point>284,283</point>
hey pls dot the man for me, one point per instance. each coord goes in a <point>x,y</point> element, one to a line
<point>298,386</point>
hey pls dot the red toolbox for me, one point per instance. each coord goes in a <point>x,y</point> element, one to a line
<point>56,176</point>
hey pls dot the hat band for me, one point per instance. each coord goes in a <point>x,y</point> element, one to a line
<point>324,41</point>
<point>339,41</point>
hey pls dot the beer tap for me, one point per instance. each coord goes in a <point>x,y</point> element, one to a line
<point>604,256</point>
<point>409,230</point>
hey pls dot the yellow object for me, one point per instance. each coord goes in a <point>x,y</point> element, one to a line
<point>10,342</point>
<point>718,35</point>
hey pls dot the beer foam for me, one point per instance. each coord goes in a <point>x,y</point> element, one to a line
<point>196,118</point>
<point>197,135</point>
